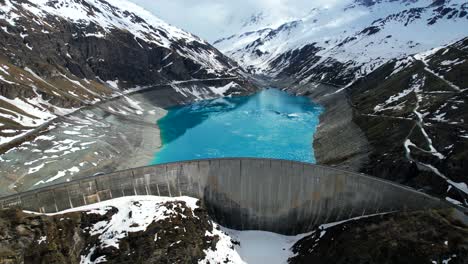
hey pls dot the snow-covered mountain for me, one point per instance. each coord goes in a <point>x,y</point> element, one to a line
<point>59,55</point>
<point>414,111</point>
<point>339,43</point>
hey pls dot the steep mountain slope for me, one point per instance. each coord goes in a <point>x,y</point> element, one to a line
<point>418,237</point>
<point>413,112</point>
<point>57,56</point>
<point>337,44</point>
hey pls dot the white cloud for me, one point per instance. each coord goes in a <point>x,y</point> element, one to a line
<point>212,19</point>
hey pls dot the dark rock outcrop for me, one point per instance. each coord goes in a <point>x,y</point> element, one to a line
<point>72,238</point>
<point>420,237</point>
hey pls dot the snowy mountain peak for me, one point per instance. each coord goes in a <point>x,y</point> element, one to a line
<point>356,38</point>
<point>254,20</point>
<point>112,14</point>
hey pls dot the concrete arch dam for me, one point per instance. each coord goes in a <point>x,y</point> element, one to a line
<point>281,196</point>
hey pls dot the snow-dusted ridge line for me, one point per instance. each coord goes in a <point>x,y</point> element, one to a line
<point>118,14</point>
<point>99,18</point>
<point>363,37</point>
<point>109,14</point>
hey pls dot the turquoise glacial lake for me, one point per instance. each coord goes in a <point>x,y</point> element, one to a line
<point>269,124</point>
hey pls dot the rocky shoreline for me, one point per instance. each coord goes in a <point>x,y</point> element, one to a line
<point>338,142</point>
<point>92,140</point>
<point>118,134</point>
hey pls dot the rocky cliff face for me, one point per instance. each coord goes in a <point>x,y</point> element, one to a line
<point>57,56</point>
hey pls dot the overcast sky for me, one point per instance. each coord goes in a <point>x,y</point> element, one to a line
<point>212,19</point>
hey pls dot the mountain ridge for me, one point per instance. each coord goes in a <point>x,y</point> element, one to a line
<point>404,122</point>
<point>57,56</point>
<point>350,39</point>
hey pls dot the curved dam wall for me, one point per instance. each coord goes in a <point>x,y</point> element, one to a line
<point>285,197</point>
